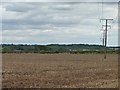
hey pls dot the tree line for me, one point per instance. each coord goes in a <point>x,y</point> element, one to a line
<point>55,48</point>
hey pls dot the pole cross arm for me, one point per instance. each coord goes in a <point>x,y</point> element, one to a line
<point>106,19</point>
<point>107,26</point>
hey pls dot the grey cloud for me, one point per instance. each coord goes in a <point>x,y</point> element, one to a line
<point>64,19</point>
<point>47,16</point>
<point>58,1</point>
<point>62,7</point>
<point>18,7</point>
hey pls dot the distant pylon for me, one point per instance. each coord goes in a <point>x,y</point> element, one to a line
<point>105,35</point>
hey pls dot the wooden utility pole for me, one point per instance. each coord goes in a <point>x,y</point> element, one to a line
<point>105,35</point>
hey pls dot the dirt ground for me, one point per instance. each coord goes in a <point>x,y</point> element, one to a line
<point>59,71</point>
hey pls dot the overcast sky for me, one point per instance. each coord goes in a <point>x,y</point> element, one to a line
<point>63,23</point>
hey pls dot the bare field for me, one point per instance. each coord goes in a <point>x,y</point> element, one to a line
<point>60,71</point>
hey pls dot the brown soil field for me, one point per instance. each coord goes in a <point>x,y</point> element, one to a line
<point>59,71</point>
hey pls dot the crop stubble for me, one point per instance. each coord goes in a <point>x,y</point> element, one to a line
<point>59,71</point>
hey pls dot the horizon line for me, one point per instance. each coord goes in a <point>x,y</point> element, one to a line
<point>59,44</point>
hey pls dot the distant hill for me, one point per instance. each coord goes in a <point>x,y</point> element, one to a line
<point>53,48</point>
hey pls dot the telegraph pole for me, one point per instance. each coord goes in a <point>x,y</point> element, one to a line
<point>105,35</point>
